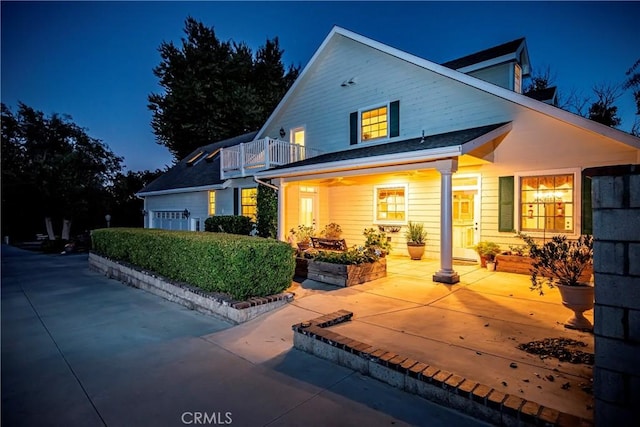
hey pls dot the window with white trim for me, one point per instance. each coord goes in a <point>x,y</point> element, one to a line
<point>548,203</point>
<point>374,123</point>
<point>212,203</point>
<point>248,202</point>
<point>390,204</point>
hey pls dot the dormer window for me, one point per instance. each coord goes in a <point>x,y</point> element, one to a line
<point>195,158</point>
<point>378,123</point>
<point>517,78</point>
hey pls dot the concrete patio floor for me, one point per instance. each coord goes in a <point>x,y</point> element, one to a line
<point>471,329</point>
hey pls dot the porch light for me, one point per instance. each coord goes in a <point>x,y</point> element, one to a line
<point>186,213</point>
<point>282,132</point>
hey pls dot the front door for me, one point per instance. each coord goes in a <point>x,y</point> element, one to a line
<point>466,216</point>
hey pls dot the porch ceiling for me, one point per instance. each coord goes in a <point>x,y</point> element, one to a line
<point>472,146</point>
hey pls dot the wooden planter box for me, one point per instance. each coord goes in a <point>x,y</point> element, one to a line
<point>522,264</point>
<point>513,264</point>
<point>301,267</point>
<point>346,275</point>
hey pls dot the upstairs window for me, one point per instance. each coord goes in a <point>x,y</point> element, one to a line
<point>374,124</point>
<point>377,123</point>
<point>193,160</point>
<point>517,78</point>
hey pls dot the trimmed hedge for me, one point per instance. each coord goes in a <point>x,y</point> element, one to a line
<point>240,266</point>
<point>232,224</point>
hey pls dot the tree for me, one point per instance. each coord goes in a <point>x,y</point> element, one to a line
<point>602,109</point>
<point>213,89</point>
<point>51,168</point>
<point>539,80</point>
<point>125,207</point>
<point>633,83</point>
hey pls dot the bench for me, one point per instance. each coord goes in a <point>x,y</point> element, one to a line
<point>338,245</point>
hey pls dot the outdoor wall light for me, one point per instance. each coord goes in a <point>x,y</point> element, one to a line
<point>282,133</point>
<point>186,214</point>
<point>107,218</point>
<point>144,212</point>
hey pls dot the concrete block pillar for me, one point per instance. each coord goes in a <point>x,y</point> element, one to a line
<point>616,230</point>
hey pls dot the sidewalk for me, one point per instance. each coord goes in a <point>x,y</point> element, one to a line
<point>471,329</point>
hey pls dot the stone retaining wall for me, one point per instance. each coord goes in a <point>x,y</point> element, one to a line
<point>191,297</point>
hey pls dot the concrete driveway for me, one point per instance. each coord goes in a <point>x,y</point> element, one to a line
<point>79,349</point>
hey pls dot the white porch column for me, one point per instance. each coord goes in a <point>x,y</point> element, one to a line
<point>446,274</point>
<point>282,236</point>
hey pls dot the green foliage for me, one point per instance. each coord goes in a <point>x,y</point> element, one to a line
<point>239,266</point>
<point>416,233</point>
<point>353,255</point>
<point>376,240</point>
<point>559,261</point>
<point>52,167</point>
<point>232,224</point>
<point>331,231</point>
<point>486,249</point>
<point>267,207</point>
<point>213,89</point>
<point>303,233</point>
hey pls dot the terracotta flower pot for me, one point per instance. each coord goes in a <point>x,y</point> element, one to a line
<point>416,250</point>
<point>579,299</point>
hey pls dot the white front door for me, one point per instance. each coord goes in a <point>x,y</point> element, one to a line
<point>466,216</point>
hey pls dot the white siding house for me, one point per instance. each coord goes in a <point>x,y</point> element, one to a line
<point>390,138</point>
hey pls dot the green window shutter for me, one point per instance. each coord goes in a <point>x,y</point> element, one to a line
<point>236,201</point>
<point>394,119</point>
<point>353,128</point>
<point>506,203</point>
<point>587,210</point>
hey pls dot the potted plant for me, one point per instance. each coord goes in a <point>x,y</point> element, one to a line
<point>377,241</point>
<point>331,231</point>
<point>303,234</point>
<point>416,239</point>
<point>487,252</point>
<point>562,263</point>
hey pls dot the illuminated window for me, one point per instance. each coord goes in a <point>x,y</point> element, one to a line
<point>374,124</point>
<point>517,79</point>
<point>547,203</point>
<point>248,202</point>
<point>390,204</point>
<point>297,136</point>
<point>211,155</point>
<point>212,203</point>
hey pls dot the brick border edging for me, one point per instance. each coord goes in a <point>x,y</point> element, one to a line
<point>429,382</point>
<point>191,297</point>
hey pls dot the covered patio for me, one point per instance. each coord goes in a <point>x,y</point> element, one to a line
<point>471,329</point>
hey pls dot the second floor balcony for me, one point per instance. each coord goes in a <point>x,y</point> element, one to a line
<point>254,156</point>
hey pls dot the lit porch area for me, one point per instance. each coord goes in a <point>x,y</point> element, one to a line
<point>471,329</point>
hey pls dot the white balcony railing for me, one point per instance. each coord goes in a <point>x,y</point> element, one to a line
<point>254,156</point>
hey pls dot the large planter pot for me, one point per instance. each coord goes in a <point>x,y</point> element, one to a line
<point>579,299</point>
<point>346,275</point>
<point>416,250</point>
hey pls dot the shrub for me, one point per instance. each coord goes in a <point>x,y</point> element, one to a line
<point>376,240</point>
<point>267,215</point>
<point>416,233</point>
<point>240,266</point>
<point>353,255</point>
<point>232,224</point>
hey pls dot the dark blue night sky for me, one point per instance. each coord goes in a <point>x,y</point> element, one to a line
<point>94,60</point>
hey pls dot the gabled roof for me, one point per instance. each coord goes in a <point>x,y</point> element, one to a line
<point>427,148</point>
<point>203,173</point>
<point>506,51</point>
<point>547,95</point>
<point>532,104</point>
